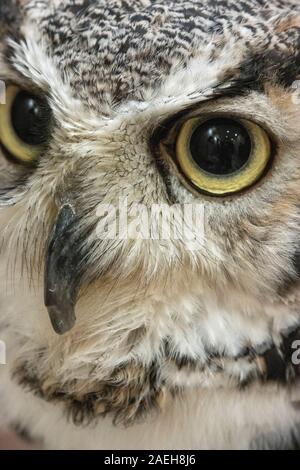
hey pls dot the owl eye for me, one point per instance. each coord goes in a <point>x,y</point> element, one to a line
<point>222,156</point>
<point>24,124</point>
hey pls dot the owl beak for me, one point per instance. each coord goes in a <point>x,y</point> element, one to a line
<point>61,273</point>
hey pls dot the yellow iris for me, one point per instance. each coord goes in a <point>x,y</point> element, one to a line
<point>223,184</point>
<point>9,138</point>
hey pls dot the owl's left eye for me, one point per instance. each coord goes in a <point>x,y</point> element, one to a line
<point>24,124</point>
<point>221,156</point>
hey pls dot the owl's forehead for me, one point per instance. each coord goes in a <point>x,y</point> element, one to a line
<point>115,51</point>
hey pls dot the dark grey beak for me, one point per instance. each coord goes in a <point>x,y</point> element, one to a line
<point>61,273</point>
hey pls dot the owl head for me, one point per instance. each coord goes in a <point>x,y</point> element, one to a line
<point>149,191</point>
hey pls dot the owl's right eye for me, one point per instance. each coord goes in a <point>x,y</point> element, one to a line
<point>24,125</point>
<point>222,156</point>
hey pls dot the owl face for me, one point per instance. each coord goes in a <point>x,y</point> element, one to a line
<point>113,111</point>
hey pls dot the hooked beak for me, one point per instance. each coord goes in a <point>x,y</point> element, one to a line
<point>61,273</point>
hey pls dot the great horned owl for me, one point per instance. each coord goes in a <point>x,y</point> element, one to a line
<point>152,341</point>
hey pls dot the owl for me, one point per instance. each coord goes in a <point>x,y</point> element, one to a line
<point>150,223</point>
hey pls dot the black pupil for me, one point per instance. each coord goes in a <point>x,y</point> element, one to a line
<point>220,146</point>
<point>30,117</point>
